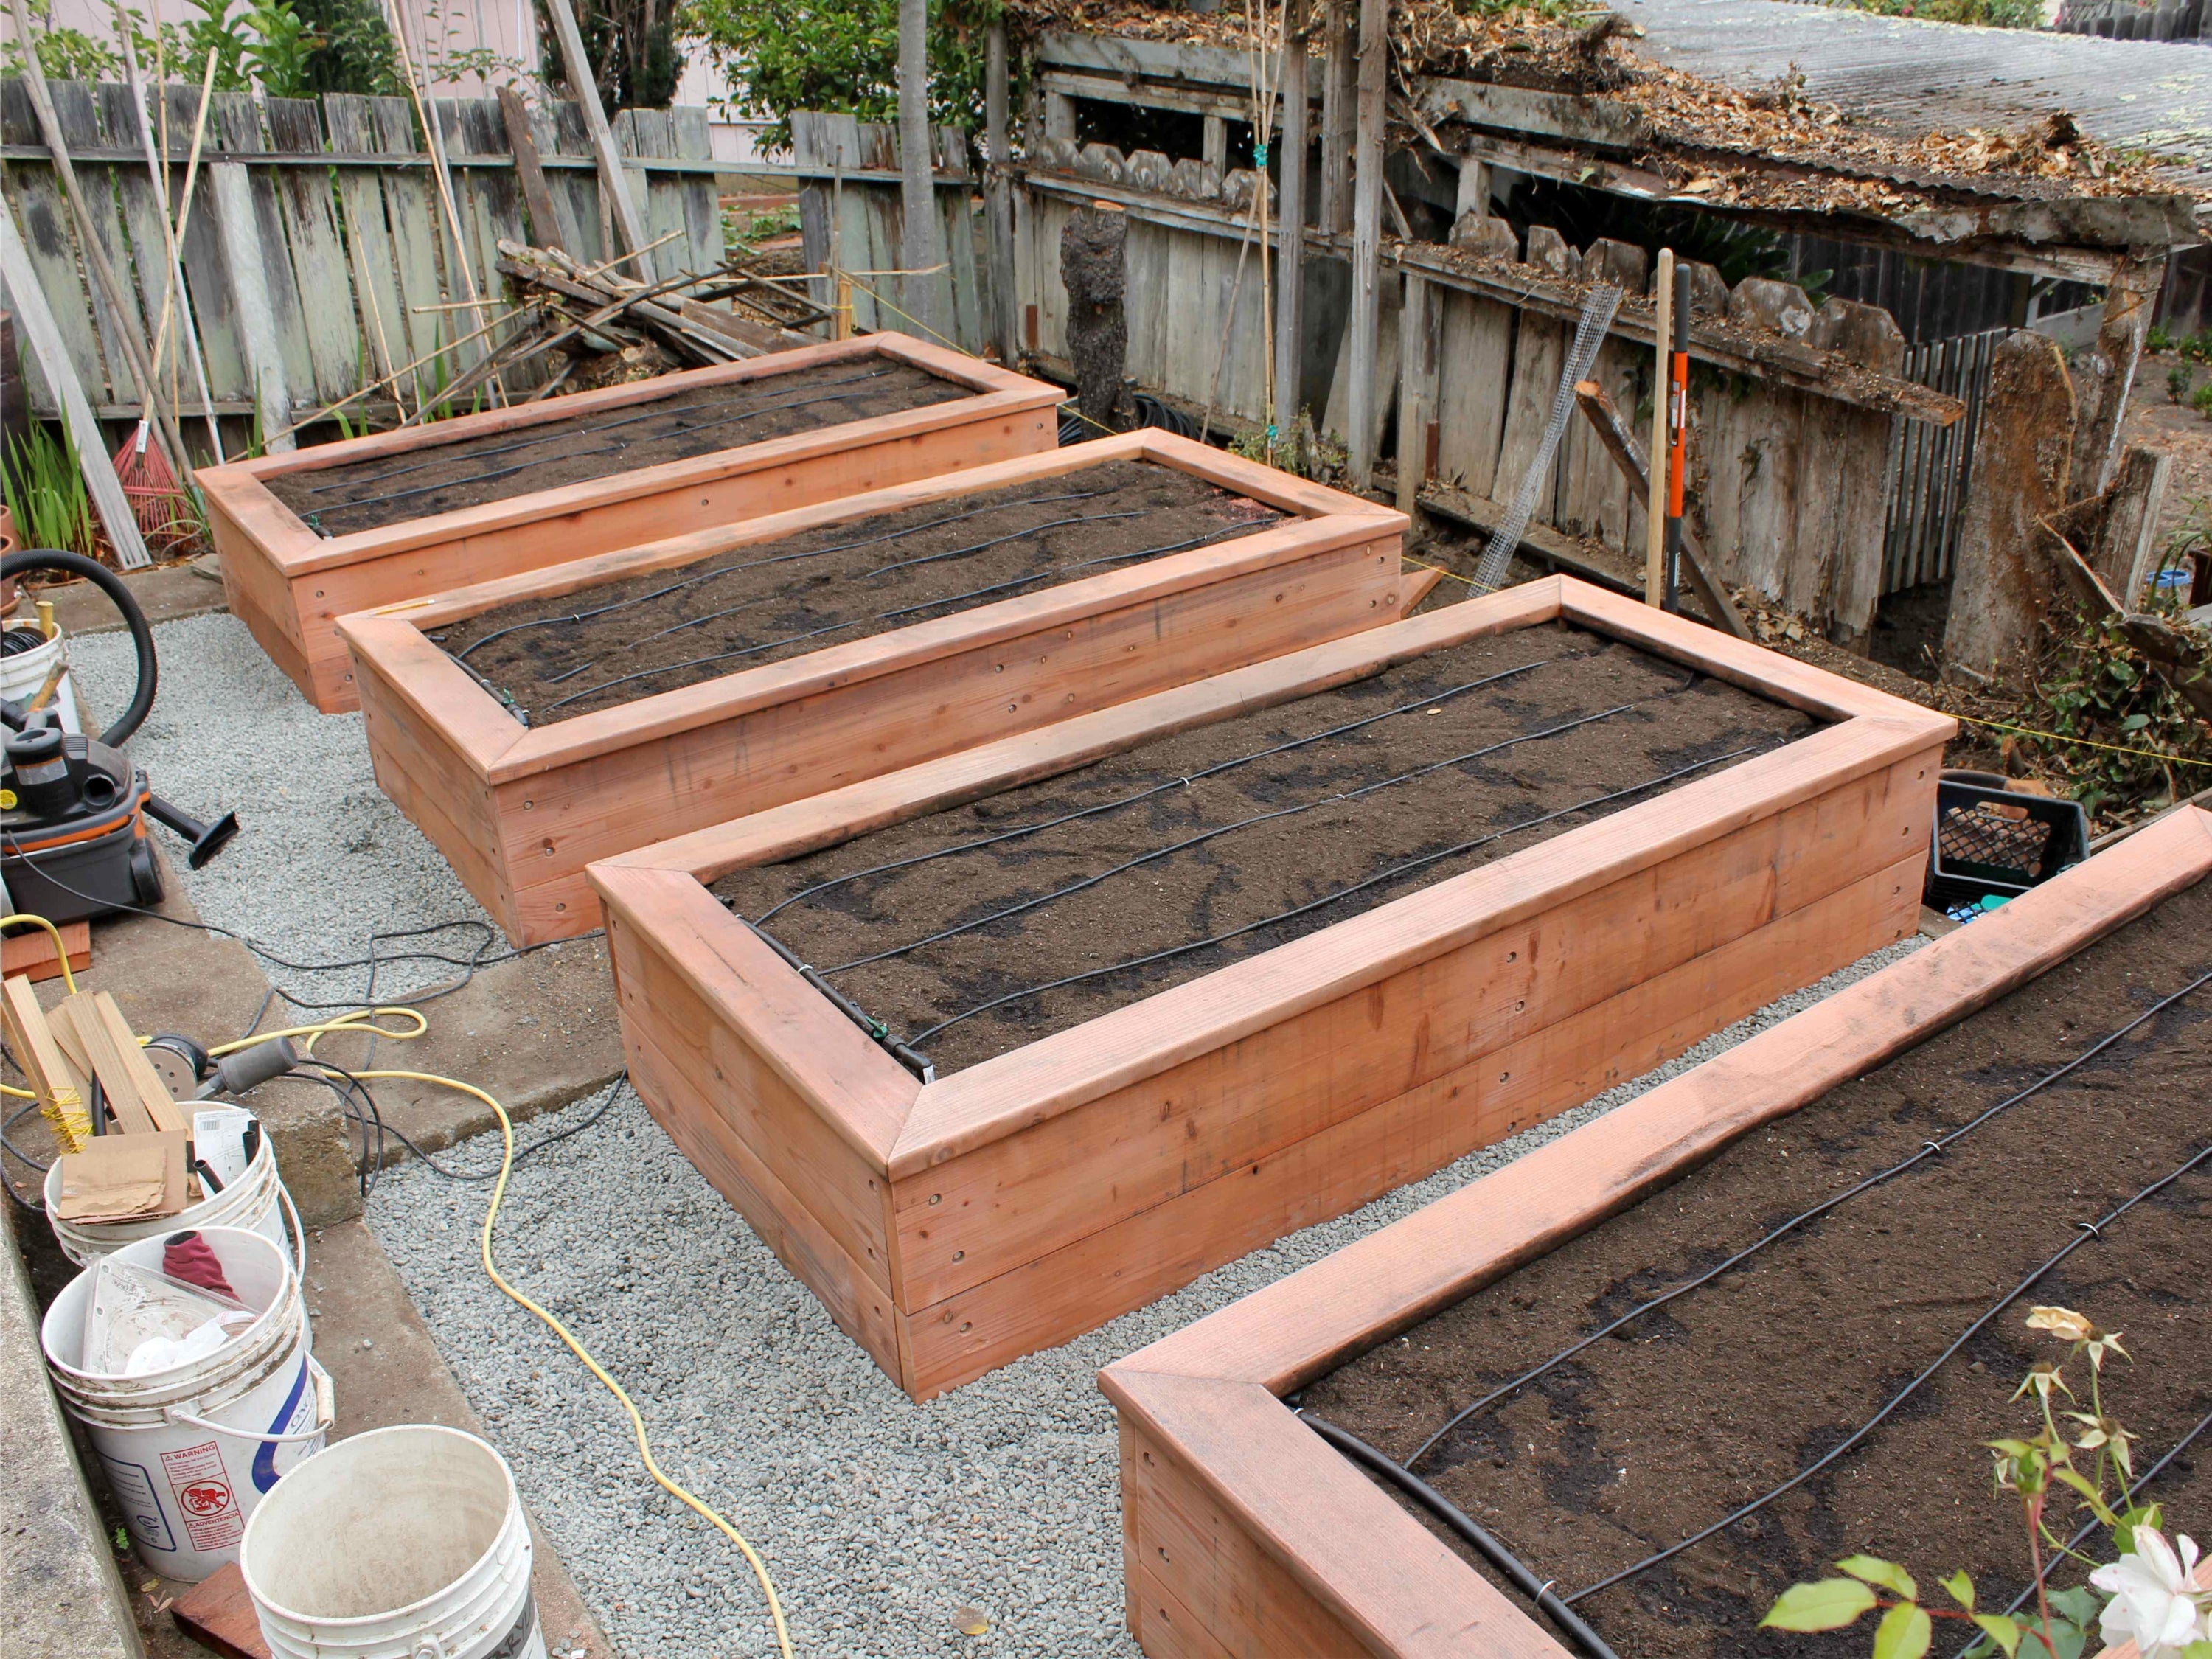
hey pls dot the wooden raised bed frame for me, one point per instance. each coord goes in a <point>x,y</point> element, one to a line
<point>1245,1534</point>
<point>291,585</point>
<point>952,1226</point>
<point>519,813</point>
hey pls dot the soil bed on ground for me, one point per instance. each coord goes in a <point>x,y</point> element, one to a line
<point>495,466</point>
<point>601,646</point>
<point>1701,1407</point>
<point>1323,830</point>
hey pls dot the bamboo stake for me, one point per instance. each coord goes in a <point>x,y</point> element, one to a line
<point>329,410</point>
<point>433,138</point>
<point>173,284</point>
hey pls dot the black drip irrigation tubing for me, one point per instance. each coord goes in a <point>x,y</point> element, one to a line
<point>2084,1232</point>
<point>1485,1543</point>
<point>1390,874</point>
<point>1203,836</point>
<point>757,564</point>
<point>1161,788</point>
<point>1399,1475</point>
<point>1928,1149</point>
<point>866,575</point>
<point>891,615</point>
<point>569,435</point>
<point>879,1033</point>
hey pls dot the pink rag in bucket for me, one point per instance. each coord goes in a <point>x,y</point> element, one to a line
<point>187,1256</point>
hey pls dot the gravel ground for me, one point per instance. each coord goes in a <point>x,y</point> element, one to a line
<point>321,859</point>
<point>880,1520</point>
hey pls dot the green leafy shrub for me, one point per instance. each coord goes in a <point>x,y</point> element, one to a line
<point>2201,400</point>
<point>840,56</point>
<point>2177,381</point>
<point>350,49</point>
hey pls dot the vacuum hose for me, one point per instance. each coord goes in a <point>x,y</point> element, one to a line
<point>141,636</point>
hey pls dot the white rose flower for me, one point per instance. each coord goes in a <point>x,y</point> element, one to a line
<point>2154,1597</point>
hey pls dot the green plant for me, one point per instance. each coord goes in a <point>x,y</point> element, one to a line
<point>2092,683</point>
<point>2177,381</point>
<point>2201,400</point>
<point>2152,1598</point>
<point>633,50</point>
<point>2159,338</point>
<point>44,488</point>
<point>350,49</point>
<point>838,55</point>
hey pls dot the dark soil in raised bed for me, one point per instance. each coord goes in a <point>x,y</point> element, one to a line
<point>1703,1406</point>
<point>446,477</point>
<point>598,648</point>
<point>1668,718</point>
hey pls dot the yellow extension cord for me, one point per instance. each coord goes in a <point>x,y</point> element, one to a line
<point>363,1020</point>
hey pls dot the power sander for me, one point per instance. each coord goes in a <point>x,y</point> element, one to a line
<point>73,809</point>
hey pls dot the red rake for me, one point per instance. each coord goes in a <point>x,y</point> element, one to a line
<point>157,500</point>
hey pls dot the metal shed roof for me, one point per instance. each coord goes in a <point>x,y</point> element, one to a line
<point>1918,78</point>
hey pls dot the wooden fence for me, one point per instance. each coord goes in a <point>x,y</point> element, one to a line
<point>851,216</point>
<point>1793,481</point>
<point>318,257</point>
<point>1927,482</point>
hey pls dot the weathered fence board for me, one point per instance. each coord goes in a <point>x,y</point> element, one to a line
<point>304,280</point>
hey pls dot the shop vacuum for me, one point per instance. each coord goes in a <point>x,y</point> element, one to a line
<point>73,809</point>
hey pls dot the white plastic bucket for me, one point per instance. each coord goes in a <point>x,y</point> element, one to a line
<point>22,674</point>
<point>190,1452</point>
<point>403,1543</point>
<point>257,1201</point>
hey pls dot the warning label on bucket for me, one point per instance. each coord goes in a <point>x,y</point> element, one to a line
<point>201,1486</point>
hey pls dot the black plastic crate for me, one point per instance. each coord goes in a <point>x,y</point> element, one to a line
<point>1997,842</point>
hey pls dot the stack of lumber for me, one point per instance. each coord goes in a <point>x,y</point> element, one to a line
<point>692,320</point>
<point>81,1057</point>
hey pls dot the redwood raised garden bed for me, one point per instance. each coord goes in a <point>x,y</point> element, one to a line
<point>308,535</point>
<point>1456,951</point>
<point>695,680</point>
<point>1250,1532</point>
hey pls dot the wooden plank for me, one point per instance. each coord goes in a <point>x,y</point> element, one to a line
<point>77,115</point>
<point>695,192</point>
<point>546,227</point>
<point>43,225</point>
<point>367,239</point>
<point>56,1082</point>
<point>559,125</point>
<point>252,304</point>
<point>308,208</point>
<point>1475,353</point>
<point>1233,1494</point>
<point>1418,367</point>
<point>236,120</point>
<point>1162,1136</point>
<point>1594,499</point>
<point>613,187</point>
<point>1139,1259</point>
<point>1363,407</point>
<point>32,953</point>
<point>1539,353</point>
<point>44,336</point>
<point>207,273</point>
<point>1307,1324</point>
<point>413,215</point>
<point>957,231</point>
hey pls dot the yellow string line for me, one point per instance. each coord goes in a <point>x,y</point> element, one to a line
<point>60,951</point>
<point>2082,743</point>
<point>637,1423</point>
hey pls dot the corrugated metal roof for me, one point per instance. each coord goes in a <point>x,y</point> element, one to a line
<point>1918,78</point>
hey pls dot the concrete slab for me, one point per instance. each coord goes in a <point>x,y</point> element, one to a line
<point>164,594</point>
<point>61,1596</point>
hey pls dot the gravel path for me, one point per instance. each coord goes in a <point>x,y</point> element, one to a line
<point>321,859</point>
<point>879,1519</point>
